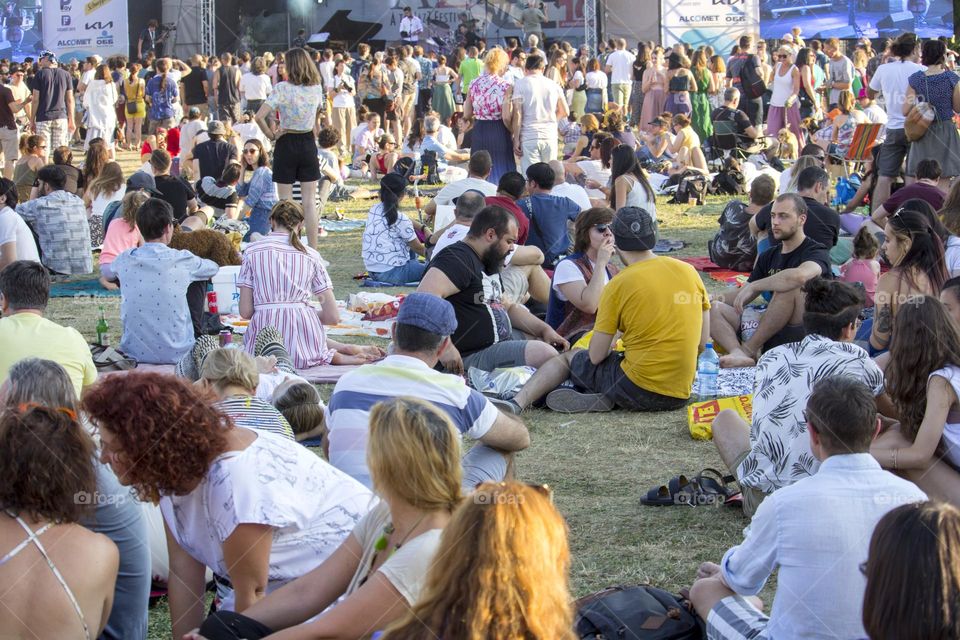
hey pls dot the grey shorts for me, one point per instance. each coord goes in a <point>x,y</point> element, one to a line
<point>733,618</point>
<point>892,152</point>
<point>609,379</point>
<point>509,353</point>
<point>482,464</point>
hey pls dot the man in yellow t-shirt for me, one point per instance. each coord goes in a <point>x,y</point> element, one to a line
<point>25,333</point>
<point>660,307</point>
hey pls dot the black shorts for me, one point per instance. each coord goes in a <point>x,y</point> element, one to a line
<point>892,152</point>
<point>295,159</point>
<point>609,379</point>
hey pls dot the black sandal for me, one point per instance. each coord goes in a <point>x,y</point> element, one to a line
<point>713,483</point>
<point>680,490</point>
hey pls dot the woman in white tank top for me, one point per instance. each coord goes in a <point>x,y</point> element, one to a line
<point>784,105</point>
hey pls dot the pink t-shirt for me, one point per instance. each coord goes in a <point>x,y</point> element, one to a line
<point>864,272</point>
<point>119,238</point>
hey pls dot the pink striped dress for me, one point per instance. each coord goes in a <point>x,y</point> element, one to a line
<point>282,280</point>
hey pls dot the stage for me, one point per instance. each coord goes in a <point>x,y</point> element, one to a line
<point>825,19</point>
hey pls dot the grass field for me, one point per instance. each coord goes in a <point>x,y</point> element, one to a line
<point>598,465</point>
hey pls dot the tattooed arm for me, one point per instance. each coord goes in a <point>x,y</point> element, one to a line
<point>885,301</point>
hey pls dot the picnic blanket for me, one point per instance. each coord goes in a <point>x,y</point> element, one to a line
<point>347,224</point>
<point>702,263</point>
<point>370,282</point>
<point>729,277</point>
<point>81,288</point>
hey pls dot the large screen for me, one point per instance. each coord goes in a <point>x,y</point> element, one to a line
<point>21,29</point>
<point>856,18</point>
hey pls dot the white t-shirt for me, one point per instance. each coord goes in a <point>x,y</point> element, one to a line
<point>188,134</point>
<point>621,66</point>
<point>13,228</point>
<point>512,74</point>
<point>384,247</point>
<point>255,87</point>
<point>453,190</point>
<point>456,233</point>
<point>596,80</point>
<point>252,131</point>
<point>951,256</point>
<point>951,431</point>
<point>326,72</point>
<point>343,99</point>
<point>87,77</point>
<point>311,506</point>
<point>99,204</point>
<point>539,97</point>
<point>890,79</point>
<point>574,192</point>
<point>567,272</point>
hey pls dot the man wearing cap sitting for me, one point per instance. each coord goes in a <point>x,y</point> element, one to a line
<point>59,219</point>
<point>421,335</point>
<point>660,307</point>
<point>209,158</point>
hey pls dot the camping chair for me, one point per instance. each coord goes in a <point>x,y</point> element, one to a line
<point>861,147</point>
<point>725,141</point>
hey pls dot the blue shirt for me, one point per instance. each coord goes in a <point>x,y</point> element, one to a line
<point>161,100</point>
<point>430,143</point>
<point>157,328</point>
<point>816,532</point>
<point>548,223</point>
<point>426,72</point>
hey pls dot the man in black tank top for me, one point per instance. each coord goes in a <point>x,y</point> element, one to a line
<point>226,90</point>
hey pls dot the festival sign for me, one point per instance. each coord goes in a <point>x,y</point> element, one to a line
<point>77,29</point>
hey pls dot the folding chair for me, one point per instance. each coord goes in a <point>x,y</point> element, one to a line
<point>861,147</point>
<point>727,141</point>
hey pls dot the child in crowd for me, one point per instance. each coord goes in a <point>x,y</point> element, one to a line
<point>122,233</point>
<point>571,130</point>
<point>232,375</point>
<point>863,268</point>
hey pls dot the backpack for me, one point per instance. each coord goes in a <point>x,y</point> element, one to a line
<point>636,613</point>
<point>692,188</point>
<point>734,247</point>
<point>729,182</point>
<point>430,167</point>
<point>404,167</point>
<point>753,85</point>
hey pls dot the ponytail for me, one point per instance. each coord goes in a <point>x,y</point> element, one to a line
<point>390,209</point>
<point>288,214</point>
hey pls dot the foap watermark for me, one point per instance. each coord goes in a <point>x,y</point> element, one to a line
<point>485,497</point>
<point>98,499</point>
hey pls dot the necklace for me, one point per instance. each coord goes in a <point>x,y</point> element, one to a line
<point>388,530</point>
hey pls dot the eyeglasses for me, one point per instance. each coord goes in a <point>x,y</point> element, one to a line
<point>250,150</point>
<point>782,56</point>
<point>602,228</point>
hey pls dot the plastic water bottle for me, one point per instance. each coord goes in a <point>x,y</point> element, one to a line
<point>708,368</point>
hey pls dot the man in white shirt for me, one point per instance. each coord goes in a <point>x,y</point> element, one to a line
<point>535,104</point>
<point>410,27</point>
<point>890,81</point>
<point>478,170</point>
<point>326,68</point>
<point>814,533</point>
<point>564,189</point>
<point>515,71</point>
<point>620,68</point>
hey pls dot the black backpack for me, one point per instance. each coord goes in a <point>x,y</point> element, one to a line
<point>729,182</point>
<point>636,613</point>
<point>404,167</point>
<point>753,85</point>
<point>734,247</point>
<point>692,188</point>
<point>430,167</point>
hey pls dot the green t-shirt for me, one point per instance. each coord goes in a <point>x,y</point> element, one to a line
<point>470,70</point>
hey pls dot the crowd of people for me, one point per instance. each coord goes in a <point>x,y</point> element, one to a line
<point>542,166</point>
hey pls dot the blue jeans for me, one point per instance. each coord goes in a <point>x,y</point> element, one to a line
<point>259,221</point>
<point>412,271</point>
<point>118,516</point>
<point>644,153</point>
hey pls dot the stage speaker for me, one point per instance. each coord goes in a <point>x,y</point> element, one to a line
<point>902,20</point>
<point>843,33</point>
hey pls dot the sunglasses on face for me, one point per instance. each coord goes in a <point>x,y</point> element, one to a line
<point>250,150</point>
<point>602,228</point>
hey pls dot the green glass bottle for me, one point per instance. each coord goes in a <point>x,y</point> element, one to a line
<point>103,329</point>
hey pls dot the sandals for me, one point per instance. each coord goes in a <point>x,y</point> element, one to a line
<point>709,487</point>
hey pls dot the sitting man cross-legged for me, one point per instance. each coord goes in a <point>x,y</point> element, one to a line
<point>491,331</point>
<point>782,269</point>
<point>154,279</point>
<point>775,451</point>
<point>814,533</point>
<point>660,307</point>
<point>420,335</point>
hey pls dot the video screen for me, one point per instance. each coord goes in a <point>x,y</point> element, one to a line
<point>849,19</point>
<point>21,28</point>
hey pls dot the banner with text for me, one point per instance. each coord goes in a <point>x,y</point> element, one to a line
<point>718,23</point>
<point>82,28</point>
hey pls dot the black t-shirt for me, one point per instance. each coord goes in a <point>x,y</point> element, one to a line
<point>772,260</point>
<point>177,192</point>
<point>741,119</point>
<point>482,319</point>
<point>213,156</point>
<point>823,223</point>
<point>193,87</point>
<point>75,181</point>
<point>7,119</point>
<point>53,85</point>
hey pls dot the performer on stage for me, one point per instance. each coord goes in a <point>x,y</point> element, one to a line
<point>410,27</point>
<point>151,40</point>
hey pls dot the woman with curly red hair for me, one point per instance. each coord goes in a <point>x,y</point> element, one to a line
<point>258,509</point>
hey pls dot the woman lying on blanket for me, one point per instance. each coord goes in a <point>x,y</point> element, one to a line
<point>277,278</point>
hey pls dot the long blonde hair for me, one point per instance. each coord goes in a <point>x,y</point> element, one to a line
<point>289,215</point>
<point>109,181</point>
<point>413,453</point>
<point>513,582</point>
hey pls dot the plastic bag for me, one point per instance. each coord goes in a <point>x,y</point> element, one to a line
<point>503,383</point>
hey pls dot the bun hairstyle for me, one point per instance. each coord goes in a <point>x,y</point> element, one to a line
<point>289,215</point>
<point>393,186</point>
<point>830,305</point>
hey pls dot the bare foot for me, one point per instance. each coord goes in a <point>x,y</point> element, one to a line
<point>736,358</point>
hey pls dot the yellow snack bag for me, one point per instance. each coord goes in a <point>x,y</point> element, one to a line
<point>700,415</point>
<point>584,342</point>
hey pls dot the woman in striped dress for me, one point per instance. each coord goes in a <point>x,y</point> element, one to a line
<point>276,281</point>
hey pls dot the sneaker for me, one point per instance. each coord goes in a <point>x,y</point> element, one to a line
<point>573,401</point>
<point>509,407</point>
